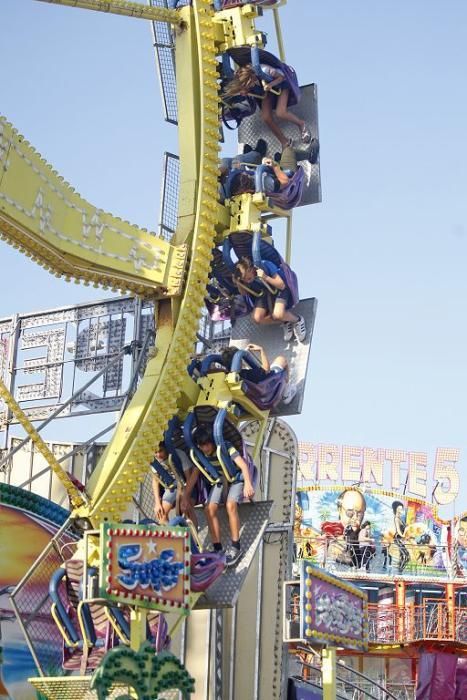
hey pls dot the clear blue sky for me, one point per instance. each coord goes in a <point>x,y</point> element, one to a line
<point>385,252</point>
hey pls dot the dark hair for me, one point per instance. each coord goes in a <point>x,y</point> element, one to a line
<point>365,524</point>
<point>245,261</point>
<point>242,183</point>
<point>162,446</point>
<point>227,355</point>
<point>395,506</point>
<point>202,436</point>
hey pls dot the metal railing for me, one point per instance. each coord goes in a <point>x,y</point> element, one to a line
<point>378,559</point>
<point>351,684</point>
<point>433,620</point>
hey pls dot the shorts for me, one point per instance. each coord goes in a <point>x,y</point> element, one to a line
<point>234,492</point>
<point>170,496</point>
<point>283,295</point>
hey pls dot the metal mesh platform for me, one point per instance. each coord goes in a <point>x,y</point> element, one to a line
<point>253,517</point>
<point>270,337</point>
<point>165,59</point>
<point>169,195</point>
<point>252,128</point>
<point>78,688</point>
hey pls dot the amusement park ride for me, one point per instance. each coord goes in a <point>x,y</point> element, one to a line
<point>117,604</point>
<point>113,589</point>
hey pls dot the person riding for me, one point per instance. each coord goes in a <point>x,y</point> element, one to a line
<point>246,82</point>
<point>283,166</point>
<point>272,303</point>
<point>236,492</point>
<point>279,366</point>
<point>164,503</point>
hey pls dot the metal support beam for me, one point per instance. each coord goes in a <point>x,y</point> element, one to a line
<point>60,408</point>
<point>329,673</point>
<point>123,7</point>
<point>76,497</point>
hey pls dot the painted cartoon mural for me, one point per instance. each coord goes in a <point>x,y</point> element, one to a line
<point>350,530</point>
<point>27,523</point>
<point>460,545</point>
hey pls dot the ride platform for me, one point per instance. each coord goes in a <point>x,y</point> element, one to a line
<point>225,591</point>
<point>246,331</point>
<point>253,128</point>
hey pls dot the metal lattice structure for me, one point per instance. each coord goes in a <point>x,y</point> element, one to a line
<point>169,195</point>
<point>165,60</point>
<point>46,357</point>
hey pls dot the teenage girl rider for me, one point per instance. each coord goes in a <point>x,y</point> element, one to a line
<point>246,82</point>
<point>246,273</point>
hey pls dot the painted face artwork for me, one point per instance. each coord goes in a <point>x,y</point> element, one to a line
<point>352,509</point>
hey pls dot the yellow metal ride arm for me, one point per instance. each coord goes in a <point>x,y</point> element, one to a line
<point>123,7</point>
<point>124,464</point>
<point>46,219</point>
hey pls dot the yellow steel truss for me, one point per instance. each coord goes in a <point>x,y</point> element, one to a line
<point>124,464</point>
<point>123,7</point>
<point>47,220</point>
<point>75,495</point>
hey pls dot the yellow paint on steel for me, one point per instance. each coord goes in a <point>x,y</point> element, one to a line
<point>328,669</point>
<point>45,218</point>
<point>124,464</point>
<point>72,688</point>
<point>74,493</point>
<point>123,7</point>
<point>238,27</point>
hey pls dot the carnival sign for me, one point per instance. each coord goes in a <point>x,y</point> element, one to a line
<point>332,612</point>
<point>148,566</point>
<point>352,531</point>
<point>328,463</point>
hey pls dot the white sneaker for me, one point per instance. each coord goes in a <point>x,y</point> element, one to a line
<point>288,329</point>
<point>299,329</point>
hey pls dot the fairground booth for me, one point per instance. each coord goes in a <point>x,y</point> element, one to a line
<point>388,522</point>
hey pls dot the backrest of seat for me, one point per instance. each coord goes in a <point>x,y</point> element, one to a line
<point>291,281</point>
<point>93,615</point>
<point>163,475</point>
<point>73,581</point>
<point>63,606</point>
<point>224,432</point>
<point>290,195</point>
<point>266,394</point>
<point>242,243</point>
<point>199,459</point>
<point>222,270</point>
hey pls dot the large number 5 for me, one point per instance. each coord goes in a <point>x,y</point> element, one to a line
<point>445,470</point>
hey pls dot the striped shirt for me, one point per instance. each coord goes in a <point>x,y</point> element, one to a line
<point>214,459</point>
